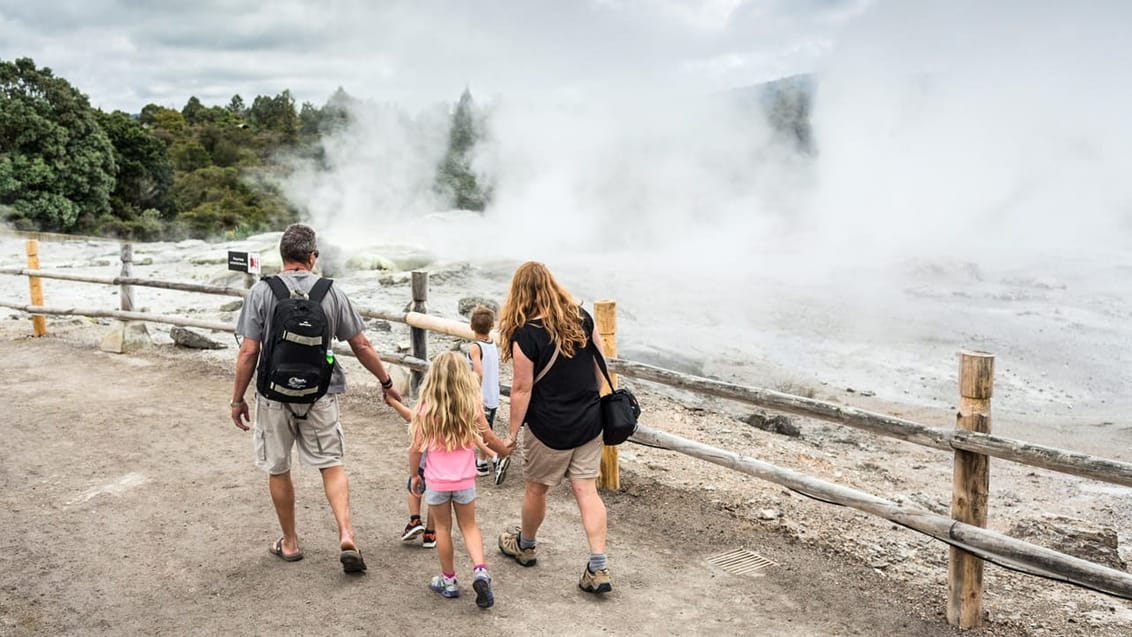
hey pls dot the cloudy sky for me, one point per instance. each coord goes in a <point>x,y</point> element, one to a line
<point>126,53</point>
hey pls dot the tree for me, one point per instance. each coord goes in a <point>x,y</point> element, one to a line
<point>789,116</point>
<point>276,114</point>
<point>56,162</point>
<point>455,180</point>
<point>192,110</point>
<point>145,173</point>
<point>236,106</point>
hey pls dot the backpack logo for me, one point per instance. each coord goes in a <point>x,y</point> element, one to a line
<point>293,365</point>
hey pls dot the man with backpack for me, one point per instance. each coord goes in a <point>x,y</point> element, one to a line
<point>287,324</point>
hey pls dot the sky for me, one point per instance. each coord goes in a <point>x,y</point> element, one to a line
<point>127,53</point>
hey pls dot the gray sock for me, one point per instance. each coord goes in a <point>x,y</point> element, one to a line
<point>525,544</point>
<point>597,562</point>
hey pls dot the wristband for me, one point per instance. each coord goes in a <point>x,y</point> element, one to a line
<point>237,403</point>
<point>387,383</point>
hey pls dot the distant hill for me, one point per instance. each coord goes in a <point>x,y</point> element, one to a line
<point>786,102</point>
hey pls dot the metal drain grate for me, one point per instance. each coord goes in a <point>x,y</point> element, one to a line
<point>741,562</point>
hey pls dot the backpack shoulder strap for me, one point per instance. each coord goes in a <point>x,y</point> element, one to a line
<point>278,287</point>
<point>321,287</point>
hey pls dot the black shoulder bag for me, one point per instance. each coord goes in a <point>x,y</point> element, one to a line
<point>619,408</point>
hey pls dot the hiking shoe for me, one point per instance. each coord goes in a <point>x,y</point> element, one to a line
<point>509,546</point>
<point>412,530</point>
<point>501,469</point>
<point>482,586</point>
<point>429,541</point>
<point>598,582</point>
<point>446,588</point>
<point>482,468</point>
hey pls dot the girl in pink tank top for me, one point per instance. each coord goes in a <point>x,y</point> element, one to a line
<point>447,426</point>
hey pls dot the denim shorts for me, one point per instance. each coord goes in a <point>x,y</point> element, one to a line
<point>463,496</point>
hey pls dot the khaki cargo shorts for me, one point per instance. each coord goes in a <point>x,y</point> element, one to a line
<point>277,429</point>
<point>548,466</point>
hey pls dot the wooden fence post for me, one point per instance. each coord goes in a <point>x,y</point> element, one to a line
<point>419,336</point>
<point>126,293</point>
<point>38,322</point>
<point>605,318</point>
<point>970,488</point>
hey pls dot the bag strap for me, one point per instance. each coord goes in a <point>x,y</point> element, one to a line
<point>600,362</point>
<point>553,357</point>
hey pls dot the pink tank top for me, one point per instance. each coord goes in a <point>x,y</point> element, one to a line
<point>450,470</point>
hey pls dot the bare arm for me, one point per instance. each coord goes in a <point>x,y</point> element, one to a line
<point>399,407</point>
<point>245,367</point>
<point>414,463</point>
<point>369,359</point>
<point>476,356</point>
<point>487,441</point>
<point>522,380</point>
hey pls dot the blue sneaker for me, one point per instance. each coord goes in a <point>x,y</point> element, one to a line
<point>446,588</point>
<point>482,586</point>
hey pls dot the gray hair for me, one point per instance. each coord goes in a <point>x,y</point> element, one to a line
<point>298,243</point>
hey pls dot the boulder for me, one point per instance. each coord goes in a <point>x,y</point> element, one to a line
<point>469,303</point>
<point>777,424</point>
<point>125,337</point>
<point>185,337</point>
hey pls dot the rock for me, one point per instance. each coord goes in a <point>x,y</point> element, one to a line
<point>770,514</point>
<point>777,424</point>
<point>126,336</point>
<point>1079,538</point>
<point>469,303</point>
<point>232,306</point>
<point>193,340</point>
<point>396,278</point>
<point>380,325</point>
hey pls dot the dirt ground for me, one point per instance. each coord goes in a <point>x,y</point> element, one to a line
<point>131,506</point>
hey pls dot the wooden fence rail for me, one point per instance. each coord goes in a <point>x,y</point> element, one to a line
<point>1051,458</point>
<point>997,547</point>
<point>119,280</point>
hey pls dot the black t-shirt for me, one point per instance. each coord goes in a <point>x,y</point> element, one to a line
<point>564,411</point>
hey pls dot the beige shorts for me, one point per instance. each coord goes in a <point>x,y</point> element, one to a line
<point>548,466</point>
<point>277,429</point>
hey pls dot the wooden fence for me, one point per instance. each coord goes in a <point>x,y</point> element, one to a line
<point>971,442</point>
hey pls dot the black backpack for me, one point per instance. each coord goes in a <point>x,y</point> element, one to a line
<point>297,360</point>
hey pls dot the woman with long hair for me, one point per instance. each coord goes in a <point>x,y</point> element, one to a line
<point>554,392</point>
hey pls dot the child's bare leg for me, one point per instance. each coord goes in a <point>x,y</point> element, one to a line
<point>441,516</point>
<point>414,502</point>
<point>473,541</point>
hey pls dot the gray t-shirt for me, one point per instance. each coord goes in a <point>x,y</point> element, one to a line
<point>345,322</point>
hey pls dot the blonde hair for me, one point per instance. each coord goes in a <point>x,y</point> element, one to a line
<point>450,398</point>
<point>535,294</point>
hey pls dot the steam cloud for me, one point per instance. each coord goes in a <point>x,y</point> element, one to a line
<point>961,129</point>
